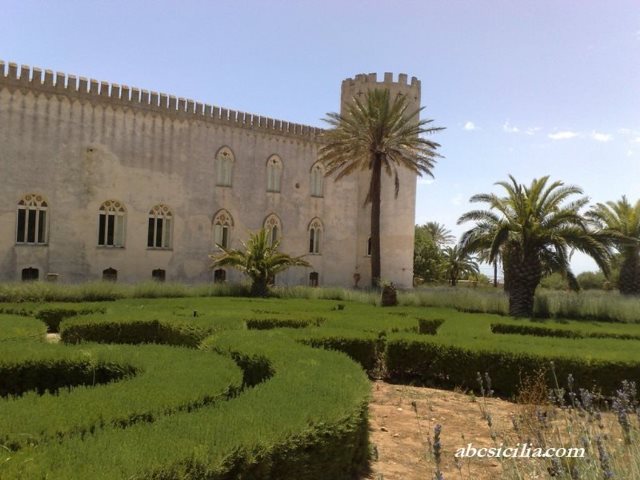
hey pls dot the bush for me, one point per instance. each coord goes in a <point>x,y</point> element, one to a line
<point>416,360</point>
<point>556,332</point>
<point>429,327</point>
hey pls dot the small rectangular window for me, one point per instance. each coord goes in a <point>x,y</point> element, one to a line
<point>31,227</point>
<point>150,232</point>
<point>101,229</point>
<point>22,214</point>
<point>159,233</point>
<point>42,226</point>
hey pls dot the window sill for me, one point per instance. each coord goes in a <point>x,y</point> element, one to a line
<point>315,254</point>
<point>273,191</point>
<point>110,247</point>
<point>24,244</point>
<point>224,186</point>
<point>161,249</point>
<point>317,196</point>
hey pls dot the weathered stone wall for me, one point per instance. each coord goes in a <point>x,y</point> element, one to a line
<point>81,142</point>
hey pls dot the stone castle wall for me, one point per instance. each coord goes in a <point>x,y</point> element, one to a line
<point>80,142</point>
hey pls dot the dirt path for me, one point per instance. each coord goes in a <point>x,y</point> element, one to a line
<point>402,420</point>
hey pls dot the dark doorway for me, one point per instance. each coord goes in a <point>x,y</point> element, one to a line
<point>219,276</point>
<point>159,275</point>
<point>110,275</point>
<point>314,277</point>
<point>30,274</point>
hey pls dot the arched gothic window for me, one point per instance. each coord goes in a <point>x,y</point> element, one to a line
<point>222,225</point>
<point>317,180</point>
<point>31,222</point>
<point>224,167</point>
<point>159,234</point>
<point>315,233</point>
<point>273,226</point>
<point>274,174</point>
<point>111,224</point>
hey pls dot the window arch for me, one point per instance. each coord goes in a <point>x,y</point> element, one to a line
<point>317,180</point>
<point>159,233</point>
<point>274,173</point>
<point>111,224</point>
<point>224,167</point>
<point>273,226</point>
<point>31,224</point>
<point>222,225</point>
<point>315,233</point>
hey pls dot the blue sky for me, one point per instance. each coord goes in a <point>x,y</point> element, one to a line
<point>528,88</point>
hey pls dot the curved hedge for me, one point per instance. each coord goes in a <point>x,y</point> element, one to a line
<point>308,420</point>
<point>154,381</point>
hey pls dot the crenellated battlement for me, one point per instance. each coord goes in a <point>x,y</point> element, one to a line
<point>387,80</point>
<point>24,76</point>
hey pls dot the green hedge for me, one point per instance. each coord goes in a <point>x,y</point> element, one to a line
<point>134,332</point>
<point>411,359</point>
<point>366,348</point>
<point>271,323</point>
<point>429,326</point>
<point>306,420</point>
<point>556,332</point>
<point>154,381</point>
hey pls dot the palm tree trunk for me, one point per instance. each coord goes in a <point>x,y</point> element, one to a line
<point>495,274</point>
<point>375,191</point>
<point>629,280</point>
<point>259,287</point>
<point>524,279</point>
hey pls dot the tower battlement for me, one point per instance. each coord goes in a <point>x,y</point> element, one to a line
<point>74,87</point>
<point>387,80</point>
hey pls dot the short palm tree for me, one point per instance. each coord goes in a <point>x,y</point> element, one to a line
<point>534,228</point>
<point>457,263</point>
<point>375,134</point>
<point>440,234</point>
<point>259,259</point>
<point>622,221</point>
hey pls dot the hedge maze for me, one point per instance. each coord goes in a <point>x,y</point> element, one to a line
<point>251,389</point>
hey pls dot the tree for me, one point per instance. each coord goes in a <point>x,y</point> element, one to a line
<point>533,229</point>
<point>457,263</point>
<point>378,134</point>
<point>621,221</point>
<point>439,233</point>
<point>259,259</point>
<point>427,256</point>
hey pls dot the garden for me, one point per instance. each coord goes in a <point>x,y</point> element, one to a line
<point>193,384</point>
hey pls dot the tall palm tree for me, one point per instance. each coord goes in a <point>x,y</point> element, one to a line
<point>378,134</point>
<point>533,229</point>
<point>440,234</point>
<point>457,263</point>
<point>259,259</point>
<point>622,221</point>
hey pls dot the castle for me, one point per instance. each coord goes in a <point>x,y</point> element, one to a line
<point>104,181</point>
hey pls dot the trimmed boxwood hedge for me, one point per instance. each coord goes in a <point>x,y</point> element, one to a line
<point>411,359</point>
<point>556,332</point>
<point>154,381</point>
<point>307,420</point>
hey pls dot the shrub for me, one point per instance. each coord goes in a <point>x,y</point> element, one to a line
<point>429,326</point>
<point>414,359</point>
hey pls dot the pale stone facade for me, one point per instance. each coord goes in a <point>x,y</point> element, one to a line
<point>99,179</point>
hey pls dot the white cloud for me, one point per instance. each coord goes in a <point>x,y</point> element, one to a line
<point>624,131</point>
<point>532,130</point>
<point>563,135</point>
<point>636,140</point>
<point>425,181</point>
<point>629,153</point>
<point>507,127</point>
<point>470,126</point>
<point>601,137</point>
